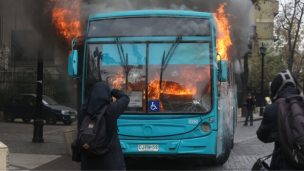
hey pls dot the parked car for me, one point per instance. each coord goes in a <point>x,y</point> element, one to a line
<point>24,106</point>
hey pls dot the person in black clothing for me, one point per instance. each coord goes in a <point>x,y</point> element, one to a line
<point>100,96</point>
<point>282,86</point>
<point>249,110</point>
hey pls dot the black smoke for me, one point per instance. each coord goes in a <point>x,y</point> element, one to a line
<point>238,12</point>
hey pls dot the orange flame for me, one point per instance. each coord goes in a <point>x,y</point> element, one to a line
<point>168,88</point>
<point>223,42</point>
<point>154,91</point>
<point>67,18</point>
<point>118,81</point>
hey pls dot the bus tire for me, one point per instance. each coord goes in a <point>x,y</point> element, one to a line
<point>225,155</point>
<point>220,160</point>
<point>232,143</point>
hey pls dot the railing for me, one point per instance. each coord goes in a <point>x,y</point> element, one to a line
<point>12,83</point>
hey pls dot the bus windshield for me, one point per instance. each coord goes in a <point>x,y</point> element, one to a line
<point>170,78</point>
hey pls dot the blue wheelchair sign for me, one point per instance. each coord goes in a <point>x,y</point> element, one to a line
<point>153,105</point>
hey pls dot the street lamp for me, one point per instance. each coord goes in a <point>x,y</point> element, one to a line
<point>38,121</point>
<point>263,53</point>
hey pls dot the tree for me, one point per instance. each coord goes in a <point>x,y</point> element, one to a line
<point>290,30</point>
<point>274,63</point>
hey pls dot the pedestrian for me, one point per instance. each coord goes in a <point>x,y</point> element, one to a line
<point>100,96</point>
<point>249,110</point>
<point>283,85</point>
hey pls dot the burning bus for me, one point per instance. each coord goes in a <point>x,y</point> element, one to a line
<point>181,88</point>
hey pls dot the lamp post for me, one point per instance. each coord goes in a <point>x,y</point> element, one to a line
<point>38,122</point>
<point>263,53</point>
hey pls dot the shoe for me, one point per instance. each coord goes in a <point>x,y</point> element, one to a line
<point>251,124</point>
<point>245,125</point>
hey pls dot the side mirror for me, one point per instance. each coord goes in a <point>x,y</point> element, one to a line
<point>73,64</point>
<point>73,61</point>
<point>223,71</point>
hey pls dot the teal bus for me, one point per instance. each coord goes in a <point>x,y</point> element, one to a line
<point>182,98</point>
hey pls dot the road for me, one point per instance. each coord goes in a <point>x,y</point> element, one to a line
<point>247,149</point>
<point>18,136</point>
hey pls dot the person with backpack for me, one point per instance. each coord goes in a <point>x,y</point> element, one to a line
<point>97,135</point>
<point>249,110</point>
<point>283,87</point>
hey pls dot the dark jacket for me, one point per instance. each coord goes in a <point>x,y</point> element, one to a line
<point>268,131</point>
<point>250,104</point>
<point>99,97</point>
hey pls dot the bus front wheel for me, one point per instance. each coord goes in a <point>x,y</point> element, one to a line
<point>222,158</point>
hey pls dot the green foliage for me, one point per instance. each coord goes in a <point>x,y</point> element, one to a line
<point>273,64</point>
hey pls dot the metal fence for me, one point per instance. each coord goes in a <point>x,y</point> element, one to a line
<point>12,83</point>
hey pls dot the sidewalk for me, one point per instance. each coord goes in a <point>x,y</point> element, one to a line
<point>50,155</point>
<point>256,116</point>
<point>25,155</point>
<point>20,161</point>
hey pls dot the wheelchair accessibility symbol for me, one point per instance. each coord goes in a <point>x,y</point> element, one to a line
<point>153,105</point>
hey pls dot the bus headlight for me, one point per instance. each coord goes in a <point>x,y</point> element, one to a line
<point>206,127</point>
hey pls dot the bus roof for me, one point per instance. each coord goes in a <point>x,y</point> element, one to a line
<point>142,13</point>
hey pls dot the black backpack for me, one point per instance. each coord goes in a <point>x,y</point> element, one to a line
<point>291,128</point>
<point>92,135</point>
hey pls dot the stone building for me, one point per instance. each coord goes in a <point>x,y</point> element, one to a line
<point>264,13</point>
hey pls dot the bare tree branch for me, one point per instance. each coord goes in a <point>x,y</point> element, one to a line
<point>297,31</point>
<point>285,13</point>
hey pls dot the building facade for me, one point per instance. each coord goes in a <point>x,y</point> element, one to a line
<point>264,13</point>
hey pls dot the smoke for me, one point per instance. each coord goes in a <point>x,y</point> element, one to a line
<point>237,10</point>
<point>34,34</point>
<point>238,13</point>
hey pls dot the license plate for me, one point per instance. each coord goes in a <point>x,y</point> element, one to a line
<point>148,147</point>
<point>72,117</point>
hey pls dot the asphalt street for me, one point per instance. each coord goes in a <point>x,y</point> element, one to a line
<point>51,155</point>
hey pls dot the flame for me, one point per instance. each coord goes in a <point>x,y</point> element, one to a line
<point>66,18</point>
<point>154,91</point>
<point>168,88</point>
<point>183,88</point>
<point>223,41</point>
<point>118,81</point>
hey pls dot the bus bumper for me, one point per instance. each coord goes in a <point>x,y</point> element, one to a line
<point>205,145</point>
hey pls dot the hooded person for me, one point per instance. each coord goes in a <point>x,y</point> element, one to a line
<point>100,96</point>
<point>283,85</point>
